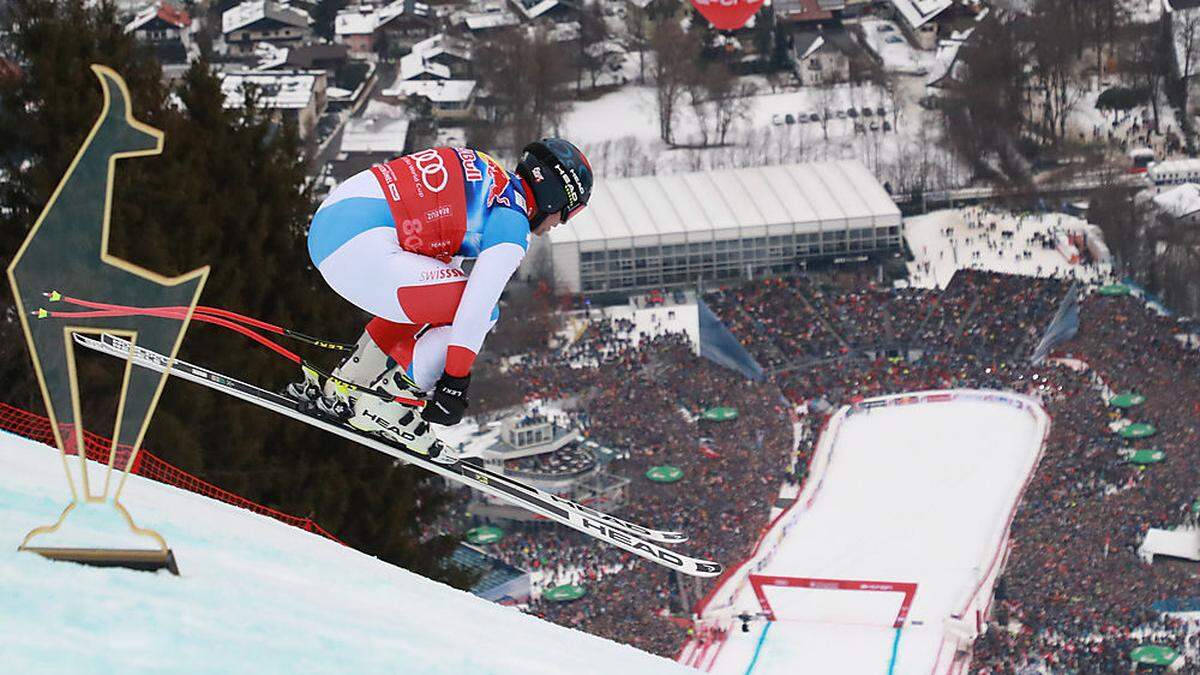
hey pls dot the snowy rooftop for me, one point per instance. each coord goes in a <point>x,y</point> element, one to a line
<point>366,19</point>
<point>724,204</point>
<point>1180,201</point>
<point>918,12</point>
<point>375,135</point>
<point>437,91</point>
<point>162,10</point>
<point>1174,167</point>
<point>946,66</point>
<point>269,56</point>
<point>415,64</point>
<point>280,90</point>
<point>532,9</point>
<point>490,20</point>
<point>801,11</point>
<point>436,45</point>
<point>247,13</point>
<point>807,43</point>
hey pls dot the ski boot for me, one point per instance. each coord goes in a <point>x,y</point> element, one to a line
<point>398,419</point>
<point>331,398</point>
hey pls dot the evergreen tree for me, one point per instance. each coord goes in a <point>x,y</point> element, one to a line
<point>229,190</point>
<point>325,15</point>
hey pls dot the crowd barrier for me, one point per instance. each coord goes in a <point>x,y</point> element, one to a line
<point>37,428</point>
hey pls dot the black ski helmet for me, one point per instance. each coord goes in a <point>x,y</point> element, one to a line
<point>559,176</point>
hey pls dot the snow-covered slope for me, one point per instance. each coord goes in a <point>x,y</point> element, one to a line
<point>255,595</point>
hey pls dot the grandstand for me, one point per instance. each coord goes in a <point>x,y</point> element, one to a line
<point>498,581</point>
<point>543,451</point>
<point>669,231</point>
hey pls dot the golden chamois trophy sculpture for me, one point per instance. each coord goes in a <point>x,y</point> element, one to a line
<point>66,253</point>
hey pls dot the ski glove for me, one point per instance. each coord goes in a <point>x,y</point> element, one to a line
<point>449,400</point>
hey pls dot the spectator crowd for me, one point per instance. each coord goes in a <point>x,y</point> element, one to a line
<point>1074,596</point>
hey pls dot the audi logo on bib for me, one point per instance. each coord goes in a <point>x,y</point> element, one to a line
<point>727,14</point>
<point>430,164</point>
<point>428,205</point>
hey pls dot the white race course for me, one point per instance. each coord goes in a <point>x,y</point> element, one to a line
<point>917,489</point>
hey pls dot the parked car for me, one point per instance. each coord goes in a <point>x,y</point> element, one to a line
<point>893,39</point>
<point>884,28</point>
<point>880,111</point>
<point>776,119</point>
<point>802,118</point>
<point>874,126</point>
<point>887,126</point>
<point>817,118</point>
<point>789,118</point>
<point>852,113</point>
<point>867,112</point>
<point>858,128</point>
<point>841,115</point>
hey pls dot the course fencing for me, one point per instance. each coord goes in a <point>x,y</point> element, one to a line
<point>36,427</point>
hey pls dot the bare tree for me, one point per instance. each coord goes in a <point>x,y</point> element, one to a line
<point>1186,29</point>
<point>1148,62</point>
<point>733,101</point>
<point>1105,19</point>
<point>637,35</point>
<point>890,87</point>
<point>1055,52</point>
<point>983,113</point>
<point>718,100</point>
<point>593,38</point>
<point>676,54</point>
<point>702,78</point>
<point>534,103</point>
<point>826,99</point>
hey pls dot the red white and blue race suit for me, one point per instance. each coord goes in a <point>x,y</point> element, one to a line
<point>391,240</point>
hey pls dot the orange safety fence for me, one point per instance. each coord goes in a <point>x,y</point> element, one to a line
<point>37,428</point>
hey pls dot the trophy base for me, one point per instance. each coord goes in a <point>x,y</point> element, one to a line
<point>134,559</point>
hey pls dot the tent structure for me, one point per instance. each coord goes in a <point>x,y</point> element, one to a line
<point>664,474</point>
<point>565,593</point>
<point>1154,655</point>
<point>721,414</point>
<point>1148,456</point>
<point>1127,399</point>
<point>1138,430</point>
<point>1181,542</point>
<point>485,534</point>
<point>1114,290</point>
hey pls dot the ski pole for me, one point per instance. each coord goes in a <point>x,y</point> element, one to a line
<point>174,313</point>
<point>55,296</point>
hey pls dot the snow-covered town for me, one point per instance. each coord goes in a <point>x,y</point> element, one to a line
<point>596,336</point>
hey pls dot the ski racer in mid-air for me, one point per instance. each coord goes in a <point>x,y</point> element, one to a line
<point>391,240</point>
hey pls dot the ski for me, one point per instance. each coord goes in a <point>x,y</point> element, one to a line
<point>620,533</point>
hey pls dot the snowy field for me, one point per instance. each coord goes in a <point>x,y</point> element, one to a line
<point>620,134</point>
<point>956,468</point>
<point>648,321</point>
<point>255,596</point>
<point>945,241</point>
<point>654,320</point>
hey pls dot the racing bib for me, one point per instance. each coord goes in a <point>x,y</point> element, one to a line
<point>427,197</point>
